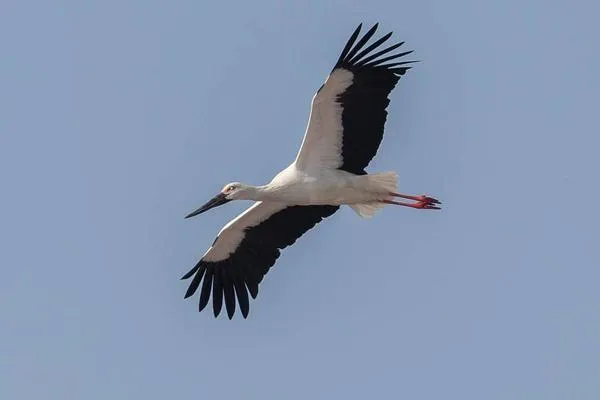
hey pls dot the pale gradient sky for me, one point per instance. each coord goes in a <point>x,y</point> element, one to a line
<point>119,117</point>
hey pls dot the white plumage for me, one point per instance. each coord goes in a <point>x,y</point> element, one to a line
<point>322,144</point>
<point>343,134</point>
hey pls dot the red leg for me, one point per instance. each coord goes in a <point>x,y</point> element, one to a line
<point>420,199</point>
<point>423,205</point>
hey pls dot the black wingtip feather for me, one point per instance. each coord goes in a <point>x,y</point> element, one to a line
<point>217,294</point>
<point>206,289</point>
<point>356,57</point>
<point>361,42</point>
<point>399,63</point>
<point>349,43</point>
<point>252,288</point>
<point>229,294</point>
<point>379,61</point>
<point>192,271</point>
<point>364,61</point>
<point>195,282</point>
<point>242,296</point>
<point>370,48</point>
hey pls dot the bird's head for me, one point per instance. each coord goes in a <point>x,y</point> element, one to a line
<point>231,191</point>
<point>237,191</point>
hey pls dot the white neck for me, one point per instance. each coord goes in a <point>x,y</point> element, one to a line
<point>267,192</point>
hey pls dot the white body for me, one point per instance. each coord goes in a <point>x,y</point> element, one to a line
<point>326,186</point>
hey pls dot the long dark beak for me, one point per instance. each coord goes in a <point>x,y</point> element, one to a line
<point>216,201</point>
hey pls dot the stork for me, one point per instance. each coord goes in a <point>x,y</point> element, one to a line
<point>344,131</point>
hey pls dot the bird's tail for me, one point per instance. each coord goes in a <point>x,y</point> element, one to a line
<point>383,182</point>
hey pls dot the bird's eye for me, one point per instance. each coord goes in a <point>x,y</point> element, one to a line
<point>230,188</point>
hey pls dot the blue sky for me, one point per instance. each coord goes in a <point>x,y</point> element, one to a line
<point>119,117</point>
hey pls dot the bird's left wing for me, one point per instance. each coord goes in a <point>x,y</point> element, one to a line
<point>245,250</point>
<point>348,112</point>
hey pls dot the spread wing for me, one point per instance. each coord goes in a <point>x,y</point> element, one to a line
<point>348,112</point>
<point>245,250</point>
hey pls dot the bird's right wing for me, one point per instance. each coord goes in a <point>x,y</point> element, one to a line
<point>348,112</point>
<point>245,250</point>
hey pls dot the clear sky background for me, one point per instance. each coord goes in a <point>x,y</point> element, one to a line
<point>119,117</point>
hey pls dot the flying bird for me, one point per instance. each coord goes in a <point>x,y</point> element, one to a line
<point>344,131</point>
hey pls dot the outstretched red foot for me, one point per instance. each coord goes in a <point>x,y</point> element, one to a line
<point>427,202</point>
<point>422,202</point>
